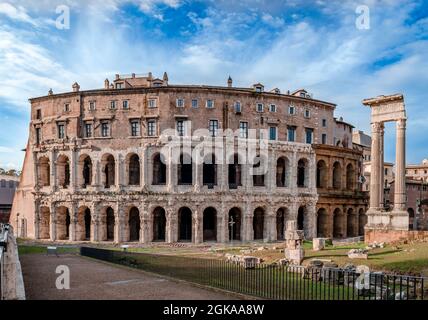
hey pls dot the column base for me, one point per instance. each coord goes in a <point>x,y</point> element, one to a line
<point>387,220</point>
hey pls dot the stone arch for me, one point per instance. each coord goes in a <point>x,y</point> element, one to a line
<point>301,218</point>
<point>85,170</point>
<point>411,213</point>
<point>258,223</point>
<point>159,169</point>
<point>351,223</point>
<point>44,172</point>
<point>185,224</point>
<point>362,221</point>
<point>133,169</point>
<point>63,221</point>
<point>209,220</point>
<point>84,224</point>
<point>108,165</point>
<point>283,172</point>
<point>337,175</point>
<point>134,224</point>
<point>322,223</point>
<point>209,170</point>
<point>322,175</point>
<point>281,221</point>
<point>338,223</point>
<point>63,171</point>
<point>259,171</point>
<point>159,224</point>
<point>302,173</point>
<point>44,226</point>
<point>350,177</point>
<point>107,224</point>
<point>185,170</point>
<point>234,172</point>
<point>234,223</point>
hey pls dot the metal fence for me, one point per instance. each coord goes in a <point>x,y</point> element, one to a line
<point>271,281</point>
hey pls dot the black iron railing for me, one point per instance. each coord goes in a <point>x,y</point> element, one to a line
<point>4,229</point>
<point>271,281</point>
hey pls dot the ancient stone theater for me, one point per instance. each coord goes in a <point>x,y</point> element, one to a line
<point>142,160</point>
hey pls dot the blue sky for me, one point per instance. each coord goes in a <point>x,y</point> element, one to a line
<point>287,44</point>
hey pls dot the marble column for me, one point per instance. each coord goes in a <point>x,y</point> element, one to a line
<point>376,167</point>
<point>382,168</point>
<point>400,167</point>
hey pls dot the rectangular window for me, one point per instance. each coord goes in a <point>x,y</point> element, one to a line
<point>88,129</point>
<point>125,104</point>
<point>180,128</point>
<point>105,129</point>
<point>38,136</point>
<point>92,106</point>
<point>291,110</point>
<point>324,123</point>
<point>195,103</point>
<point>238,107</point>
<point>291,131</point>
<point>66,107</point>
<point>135,128</point>
<point>213,128</point>
<point>324,138</point>
<point>272,133</point>
<point>272,108</point>
<point>38,114</point>
<point>112,104</point>
<point>243,130</point>
<point>259,107</point>
<point>180,103</point>
<point>151,128</point>
<point>307,113</point>
<point>210,104</point>
<point>152,103</point>
<point>309,135</point>
<point>119,85</point>
<point>61,131</point>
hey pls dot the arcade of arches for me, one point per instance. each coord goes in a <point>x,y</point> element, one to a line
<point>161,224</point>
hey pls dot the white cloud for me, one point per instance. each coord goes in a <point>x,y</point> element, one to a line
<point>275,22</point>
<point>16,13</point>
<point>5,149</point>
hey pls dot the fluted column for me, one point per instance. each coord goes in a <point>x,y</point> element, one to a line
<point>400,167</point>
<point>376,167</point>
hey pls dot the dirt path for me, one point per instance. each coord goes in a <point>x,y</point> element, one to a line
<point>90,279</point>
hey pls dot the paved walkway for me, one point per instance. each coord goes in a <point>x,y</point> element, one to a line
<point>90,279</point>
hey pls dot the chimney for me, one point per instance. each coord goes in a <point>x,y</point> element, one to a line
<point>229,82</point>
<point>165,79</point>
<point>150,76</point>
<point>76,87</point>
<point>50,92</point>
<point>117,76</point>
<point>112,86</point>
<point>133,76</point>
<point>106,84</point>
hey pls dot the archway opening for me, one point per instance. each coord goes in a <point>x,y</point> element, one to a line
<point>302,174</point>
<point>362,221</point>
<point>282,172</point>
<point>110,221</point>
<point>209,171</point>
<point>235,173</point>
<point>63,171</point>
<point>338,224</point>
<point>321,174</point>
<point>44,172</point>
<point>185,224</point>
<point>234,224</point>
<point>322,223</point>
<point>134,170</point>
<point>301,219</point>
<point>351,224</point>
<point>87,224</point>
<point>85,169</point>
<point>134,224</point>
<point>62,223</point>
<point>185,175</point>
<point>210,224</point>
<point>337,175</point>
<point>350,177</point>
<point>258,223</point>
<point>159,170</point>
<point>108,163</point>
<point>44,223</point>
<point>280,223</point>
<point>259,172</point>
<point>159,224</point>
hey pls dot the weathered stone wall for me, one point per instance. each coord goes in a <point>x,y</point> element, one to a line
<point>385,235</point>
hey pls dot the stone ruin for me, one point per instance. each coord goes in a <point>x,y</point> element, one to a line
<point>247,262</point>
<point>318,244</point>
<point>294,243</point>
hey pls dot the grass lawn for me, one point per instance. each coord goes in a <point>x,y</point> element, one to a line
<point>31,249</point>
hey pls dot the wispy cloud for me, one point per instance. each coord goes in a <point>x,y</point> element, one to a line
<point>16,13</point>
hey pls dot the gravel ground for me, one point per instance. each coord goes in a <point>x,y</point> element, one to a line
<point>93,280</point>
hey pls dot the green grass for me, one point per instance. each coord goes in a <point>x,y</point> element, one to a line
<point>26,249</point>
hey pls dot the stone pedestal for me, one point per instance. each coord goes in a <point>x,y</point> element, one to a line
<point>294,238</point>
<point>318,244</point>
